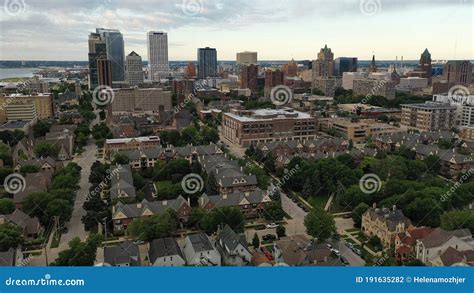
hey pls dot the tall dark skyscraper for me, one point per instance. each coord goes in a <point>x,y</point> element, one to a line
<point>345,64</point>
<point>97,48</point>
<point>207,62</point>
<point>113,40</point>
<point>425,64</point>
<point>248,77</point>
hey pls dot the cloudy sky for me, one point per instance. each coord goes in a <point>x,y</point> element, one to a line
<point>277,29</point>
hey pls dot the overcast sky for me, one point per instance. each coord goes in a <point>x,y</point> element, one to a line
<point>276,29</point>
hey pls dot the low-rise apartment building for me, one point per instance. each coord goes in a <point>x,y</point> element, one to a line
<point>151,100</point>
<point>19,107</point>
<point>428,116</point>
<point>136,143</point>
<point>245,127</point>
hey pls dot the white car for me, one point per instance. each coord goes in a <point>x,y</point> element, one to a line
<point>271,226</point>
<point>336,252</point>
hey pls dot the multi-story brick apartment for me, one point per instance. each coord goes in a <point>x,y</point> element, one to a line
<point>244,127</point>
<point>374,87</point>
<point>141,100</point>
<point>323,146</point>
<point>25,107</point>
<point>384,223</point>
<point>358,132</point>
<point>135,143</point>
<point>428,116</point>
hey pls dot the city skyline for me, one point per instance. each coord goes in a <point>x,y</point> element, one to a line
<point>231,28</point>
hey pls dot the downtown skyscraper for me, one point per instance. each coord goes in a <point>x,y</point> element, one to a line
<point>157,55</point>
<point>207,62</point>
<point>113,40</point>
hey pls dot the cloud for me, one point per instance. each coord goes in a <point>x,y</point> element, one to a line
<point>57,25</point>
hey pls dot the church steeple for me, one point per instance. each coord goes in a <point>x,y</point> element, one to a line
<point>373,65</point>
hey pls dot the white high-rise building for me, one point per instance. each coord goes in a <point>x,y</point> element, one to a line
<point>158,54</point>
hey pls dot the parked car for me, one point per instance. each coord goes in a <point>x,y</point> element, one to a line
<point>350,245</point>
<point>347,216</point>
<point>335,251</point>
<point>271,226</point>
<point>294,199</point>
<point>260,227</point>
<point>268,237</point>
<point>329,245</point>
<point>344,260</point>
<point>267,253</point>
<point>357,251</point>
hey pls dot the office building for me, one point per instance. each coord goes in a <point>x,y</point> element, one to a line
<point>104,71</point>
<point>207,62</point>
<point>374,87</point>
<point>290,69</point>
<point>191,71</point>
<point>152,100</point>
<point>349,77</point>
<point>244,127</point>
<point>247,58</point>
<point>272,79</point>
<point>134,69</point>
<point>324,65</point>
<point>113,40</point>
<point>326,85</point>
<point>158,55</point>
<point>428,116</point>
<point>248,77</point>
<point>458,72</point>
<point>464,107</point>
<point>19,107</point>
<point>97,48</point>
<point>345,64</point>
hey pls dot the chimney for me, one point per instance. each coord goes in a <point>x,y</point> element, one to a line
<point>165,202</point>
<point>189,201</point>
<point>139,205</point>
<point>374,205</point>
<point>224,196</point>
<point>394,207</point>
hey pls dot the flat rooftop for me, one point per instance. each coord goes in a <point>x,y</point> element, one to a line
<point>269,114</point>
<point>430,106</point>
<point>127,140</point>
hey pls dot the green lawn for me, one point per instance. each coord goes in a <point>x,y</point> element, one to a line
<point>163,184</point>
<point>318,201</point>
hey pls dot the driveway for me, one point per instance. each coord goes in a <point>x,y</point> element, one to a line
<point>353,259</point>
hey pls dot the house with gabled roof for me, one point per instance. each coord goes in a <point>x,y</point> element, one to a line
<point>437,242</point>
<point>251,203</point>
<point>165,252</point>
<point>199,251</point>
<point>124,214</point>
<point>124,254</point>
<point>121,182</point>
<point>29,226</point>
<point>232,247</point>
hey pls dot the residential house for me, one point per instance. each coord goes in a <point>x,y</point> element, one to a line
<point>405,242</point>
<point>165,252</point>
<point>44,164</point>
<point>437,242</point>
<point>30,226</point>
<point>251,203</point>
<point>199,251</point>
<point>124,254</point>
<point>384,223</point>
<point>34,182</point>
<point>124,214</point>
<point>121,182</point>
<point>232,247</point>
<point>298,250</point>
<point>452,257</point>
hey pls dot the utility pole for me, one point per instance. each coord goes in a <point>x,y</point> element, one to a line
<point>105,228</point>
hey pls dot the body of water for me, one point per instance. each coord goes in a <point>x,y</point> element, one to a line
<point>16,72</point>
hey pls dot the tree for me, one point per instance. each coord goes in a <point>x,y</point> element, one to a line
<point>222,216</point>
<point>46,150</point>
<point>457,220</point>
<point>274,211</point>
<point>194,219</point>
<point>40,128</point>
<point>281,231</point>
<point>6,206</point>
<point>255,241</point>
<point>154,227</point>
<point>211,186</point>
<point>120,159</point>
<point>357,213</point>
<point>270,162</point>
<point>10,237</point>
<point>433,164</point>
<point>320,224</point>
<point>29,169</point>
<point>79,253</point>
